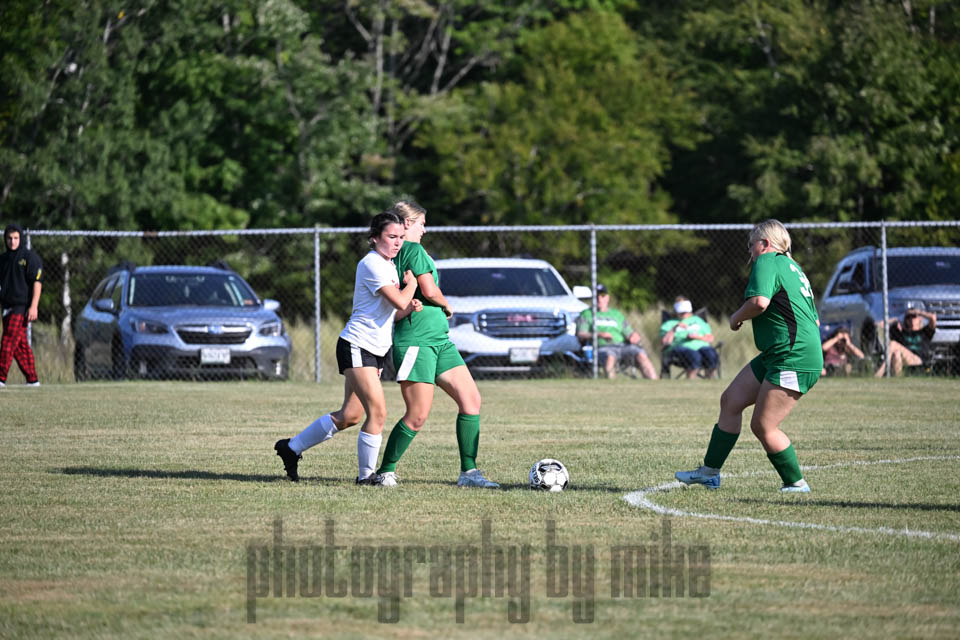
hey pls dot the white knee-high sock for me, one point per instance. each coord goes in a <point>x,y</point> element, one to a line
<point>319,430</point>
<point>368,448</point>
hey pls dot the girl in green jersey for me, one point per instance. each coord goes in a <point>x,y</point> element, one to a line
<point>425,357</point>
<point>780,302</point>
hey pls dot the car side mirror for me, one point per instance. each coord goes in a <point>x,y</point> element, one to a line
<point>582,292</point>
<point>271,305</point>
<point>105,305</point>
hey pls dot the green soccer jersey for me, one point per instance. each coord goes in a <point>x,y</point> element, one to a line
<point>424,328</point>
<point>786,333</point>
<point>694,324</point>
<point>610,321</point>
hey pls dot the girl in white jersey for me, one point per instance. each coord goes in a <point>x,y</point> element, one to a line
<point>363,343</point>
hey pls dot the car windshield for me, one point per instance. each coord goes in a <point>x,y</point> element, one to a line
<point>189,289</point>
<point>500,281</point>
<point>909,271</point>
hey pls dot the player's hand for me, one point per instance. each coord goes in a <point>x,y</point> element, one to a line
<point>409,278</point>
<point>417,305</point>
<point>31,315</point>
<point>447,311</point>
<point>735,326</point>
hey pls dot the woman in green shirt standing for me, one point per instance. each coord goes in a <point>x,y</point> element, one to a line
<point>780,302</point>
<point>425,357</point>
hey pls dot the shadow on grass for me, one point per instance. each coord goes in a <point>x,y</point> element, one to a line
<point>186,474</point>
<point>193,474</point>
<point>860,505</point>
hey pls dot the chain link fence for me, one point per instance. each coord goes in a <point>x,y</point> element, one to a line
<point>310,273</point>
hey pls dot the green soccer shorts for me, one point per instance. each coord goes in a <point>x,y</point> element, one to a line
<point>801,381</point>
<point>424,364</point>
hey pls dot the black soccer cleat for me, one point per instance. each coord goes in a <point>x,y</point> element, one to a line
<point>290,459</point>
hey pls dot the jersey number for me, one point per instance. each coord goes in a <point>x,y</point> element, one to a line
<point>805,287</point>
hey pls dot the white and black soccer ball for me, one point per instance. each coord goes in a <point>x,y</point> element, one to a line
<point>549,475</point>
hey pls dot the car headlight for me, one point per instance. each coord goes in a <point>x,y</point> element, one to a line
<point>145,326</point>
<point>461,318</point>
<point>272,329</point>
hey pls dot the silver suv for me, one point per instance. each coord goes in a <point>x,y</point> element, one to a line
<point>511,315</point>
<point>179,322</point>
<point>927,278</point>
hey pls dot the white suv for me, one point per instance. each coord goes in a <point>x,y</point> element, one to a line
<point>511,315</point>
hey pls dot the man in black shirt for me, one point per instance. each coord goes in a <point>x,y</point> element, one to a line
<point>21,277</point>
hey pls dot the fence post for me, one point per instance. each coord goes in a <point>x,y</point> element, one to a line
<point>593,297</point>
<point>886,301</point>
<point>316,302</point>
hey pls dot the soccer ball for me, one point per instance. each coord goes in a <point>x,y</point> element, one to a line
<point>549,475</point>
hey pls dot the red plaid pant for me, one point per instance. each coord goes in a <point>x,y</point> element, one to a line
<point>16,347</point>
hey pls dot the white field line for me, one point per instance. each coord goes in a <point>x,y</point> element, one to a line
<point>641,499</point>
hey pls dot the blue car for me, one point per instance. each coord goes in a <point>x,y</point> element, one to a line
<point>179,322</point>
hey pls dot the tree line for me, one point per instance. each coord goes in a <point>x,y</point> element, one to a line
<point>232,114</point>
<point>204,114</point>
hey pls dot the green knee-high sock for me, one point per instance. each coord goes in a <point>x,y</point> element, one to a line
<point>400,438</point>
<point>785,462</point>
<point>721,444</point>
<point>468,440</point>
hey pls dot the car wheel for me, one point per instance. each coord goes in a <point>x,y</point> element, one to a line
<point>80,373</point>
<point>284,372</point>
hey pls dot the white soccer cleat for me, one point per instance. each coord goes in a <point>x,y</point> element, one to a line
<point>707,476</point>
<point>475,478</point>
<point>388,479</point>
<point>800,486</point>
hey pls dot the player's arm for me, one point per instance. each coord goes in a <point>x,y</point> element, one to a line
<point>750,309</point>
<point>400,298</point>
<point>431,293</point>
<point>414,306</point>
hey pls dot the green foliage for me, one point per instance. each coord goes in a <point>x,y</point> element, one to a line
<point>819,111</point>
<point>580,138</point>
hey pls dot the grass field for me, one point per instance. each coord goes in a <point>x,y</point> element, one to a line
<point>146,510</point>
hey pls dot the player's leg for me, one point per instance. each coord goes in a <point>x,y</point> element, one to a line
<point>365,382</point>
<point>455,380</point>
<point>328,425</point>
<point>739,394</point>
<point>774,404</point>
<point>418,399</point>
<point>416,371</point>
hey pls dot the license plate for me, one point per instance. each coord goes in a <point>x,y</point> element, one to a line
<point>210,355</point>
<point>524,355</point>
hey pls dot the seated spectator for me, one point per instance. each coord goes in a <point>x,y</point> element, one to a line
<point>686,341</point>
<point>838,349</point>
<point>909,340</point>
<point>617,342</point>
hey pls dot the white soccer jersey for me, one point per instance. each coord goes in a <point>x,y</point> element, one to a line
<point>370,325</point>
